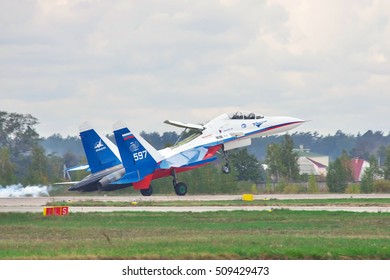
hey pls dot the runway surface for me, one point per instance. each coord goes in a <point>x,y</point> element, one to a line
<point>91,209</point>
<point>36,204</point>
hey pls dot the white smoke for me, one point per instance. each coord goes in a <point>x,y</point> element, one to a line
<point>20,191</point>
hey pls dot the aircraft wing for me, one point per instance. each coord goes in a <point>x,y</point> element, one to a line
<point>186,125</point>
<point>186,158</point>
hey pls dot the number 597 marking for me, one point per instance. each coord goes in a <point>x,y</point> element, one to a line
<point>140,155</point>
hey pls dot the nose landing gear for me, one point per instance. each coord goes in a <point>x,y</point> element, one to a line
<point>226,166</point>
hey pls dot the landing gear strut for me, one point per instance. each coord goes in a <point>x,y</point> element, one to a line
<point>180,187</point>
<point>226,166</point>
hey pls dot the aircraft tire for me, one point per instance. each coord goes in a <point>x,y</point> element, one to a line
<point>148,191</point>
<point>181,189</point>
<point>226,169</point>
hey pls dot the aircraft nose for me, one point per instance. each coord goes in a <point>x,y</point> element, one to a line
<point>293,122</point>
<point>286,123</point>
<point>296,120</point>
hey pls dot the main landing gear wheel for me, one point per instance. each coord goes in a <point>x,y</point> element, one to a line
<point>226,168</point>
<point>181,189</point>
<point>148,191</point>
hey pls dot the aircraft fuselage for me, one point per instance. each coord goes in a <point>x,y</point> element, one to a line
<point>234,131</point>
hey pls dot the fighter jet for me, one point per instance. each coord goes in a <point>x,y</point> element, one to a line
<point>143,163</point>
<point>134,162</point>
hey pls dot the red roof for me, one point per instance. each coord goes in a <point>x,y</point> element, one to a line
<point>356,165</point>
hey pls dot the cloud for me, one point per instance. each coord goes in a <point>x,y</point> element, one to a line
<point>147,61</point>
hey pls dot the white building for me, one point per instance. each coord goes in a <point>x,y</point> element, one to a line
<point>312,163</point>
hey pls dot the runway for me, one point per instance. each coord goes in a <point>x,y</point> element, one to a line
<point>196,209</point>
<point>36,204</point>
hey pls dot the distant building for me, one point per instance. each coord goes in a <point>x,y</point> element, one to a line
<point>358,167</point>
<point>312,163</point>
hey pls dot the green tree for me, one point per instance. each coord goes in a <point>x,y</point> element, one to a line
<point>381,153</point>
<point>274,162</point>
<point>247,167</point>
<point>386,167</point>
<point>55,165</point>
<point>7,175</point>
<point>290,159</point>
<point>369,175</point>
<point>17,131</point>
<point>268,185</point>
<point>37,171</point>
<point>313,186</point>
<point>367,183</point>
<point>282,161</point>
<point>18,134</point>
<point>339,174</point>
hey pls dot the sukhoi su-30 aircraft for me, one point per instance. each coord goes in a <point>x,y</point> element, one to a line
<point>134,162</point>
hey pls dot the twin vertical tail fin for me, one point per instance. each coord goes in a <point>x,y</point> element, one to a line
<point>139,158</point>
<point>101,153</point>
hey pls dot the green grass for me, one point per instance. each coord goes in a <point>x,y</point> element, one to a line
<point>271,202</point>
<point>280,234</point>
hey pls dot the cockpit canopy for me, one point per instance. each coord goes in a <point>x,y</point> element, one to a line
<point>244,116</point>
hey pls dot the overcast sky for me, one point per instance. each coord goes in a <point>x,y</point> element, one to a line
<point>143,62</point>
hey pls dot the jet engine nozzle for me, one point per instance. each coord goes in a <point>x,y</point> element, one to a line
<point>103,184</point>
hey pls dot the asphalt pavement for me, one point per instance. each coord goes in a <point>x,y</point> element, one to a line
<point>36,204</point>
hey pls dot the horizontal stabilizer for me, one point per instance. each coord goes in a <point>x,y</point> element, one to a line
<point>186,125</point>
<point>78,168</point>
<point>66,183</point>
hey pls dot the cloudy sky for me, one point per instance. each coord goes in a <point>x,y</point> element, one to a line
<point>67,61</point>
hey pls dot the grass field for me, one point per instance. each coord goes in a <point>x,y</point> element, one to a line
<point>280,234</point>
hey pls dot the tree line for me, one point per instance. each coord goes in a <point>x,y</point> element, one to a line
<point>22,159</point>
<point>27,158</point>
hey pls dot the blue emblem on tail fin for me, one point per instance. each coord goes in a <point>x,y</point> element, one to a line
<point>99,151</point>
